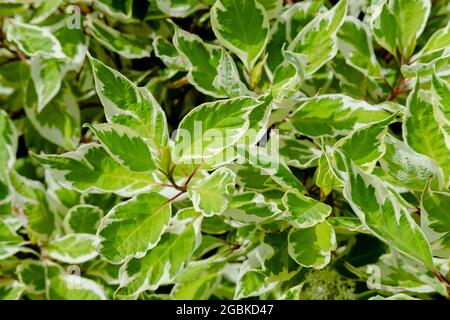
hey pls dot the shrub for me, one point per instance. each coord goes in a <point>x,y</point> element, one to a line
<point>224,149</point>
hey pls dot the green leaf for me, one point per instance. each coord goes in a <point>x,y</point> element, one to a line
<point>31,273</point>
<point>365,146</point>
<point>179,8</point>
<point>90,168</point>
<point>8,149</point>
<point>381,212</point>
<point>59,121</point>
<point>272,7</point>
<point>302,211</point>
<point>242,27</point>
<point>384,26</point>
<point>47,75</point>
<point>10,241</point>
<point>73,248</point>
<point>211,69</point>
<point>83,218</point>
<point>396,273</point>
<point>74,287</point>
<point>10,289</point>
<point>289,75</point>
<point>125,146</point>
<point>162,263</point>
<point>129,105</point>
<point>435,220</point>
<point>130,46</point>
<point>325,178</point>
<point>355,43</point>
<point>211,128</point>
<point>270,165</point>
<point>211,196</point>
<point>420,121</point>
<point>251,207</point>
<point>311,247</point>
<point>436,43</point>
<point>334,114</point>
<point>31,196</point>
<point>411,17</point>
<point>33,40</point>
<point>318,39</point>
<point>441,101</point>
<point>408,168</point>
<point>299,153</point>
<point>133,227</point>
<point>167,52</point>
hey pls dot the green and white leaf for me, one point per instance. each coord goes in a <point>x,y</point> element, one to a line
<point>162,263</point>
<point>421,121</point>
<point>302,211</point>
<point>355,43</point>
<point>133,227</point>
<point>83,218</point>
<point>129,105</point>
<point>91,169</point>
<point>241,26</point>
<point>334,114</point>
<point>211,128</point>
<point>311,247</point>
<point>318,39</point>
<point>212,195</point>
<point>384,215</point>
<point>73,248</point>
<point>74,287</point>
<point>130,46</point>
<point>125,146</point>
<point>33,40</point>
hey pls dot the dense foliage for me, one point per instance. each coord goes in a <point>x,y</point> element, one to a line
<point>228,149</point>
